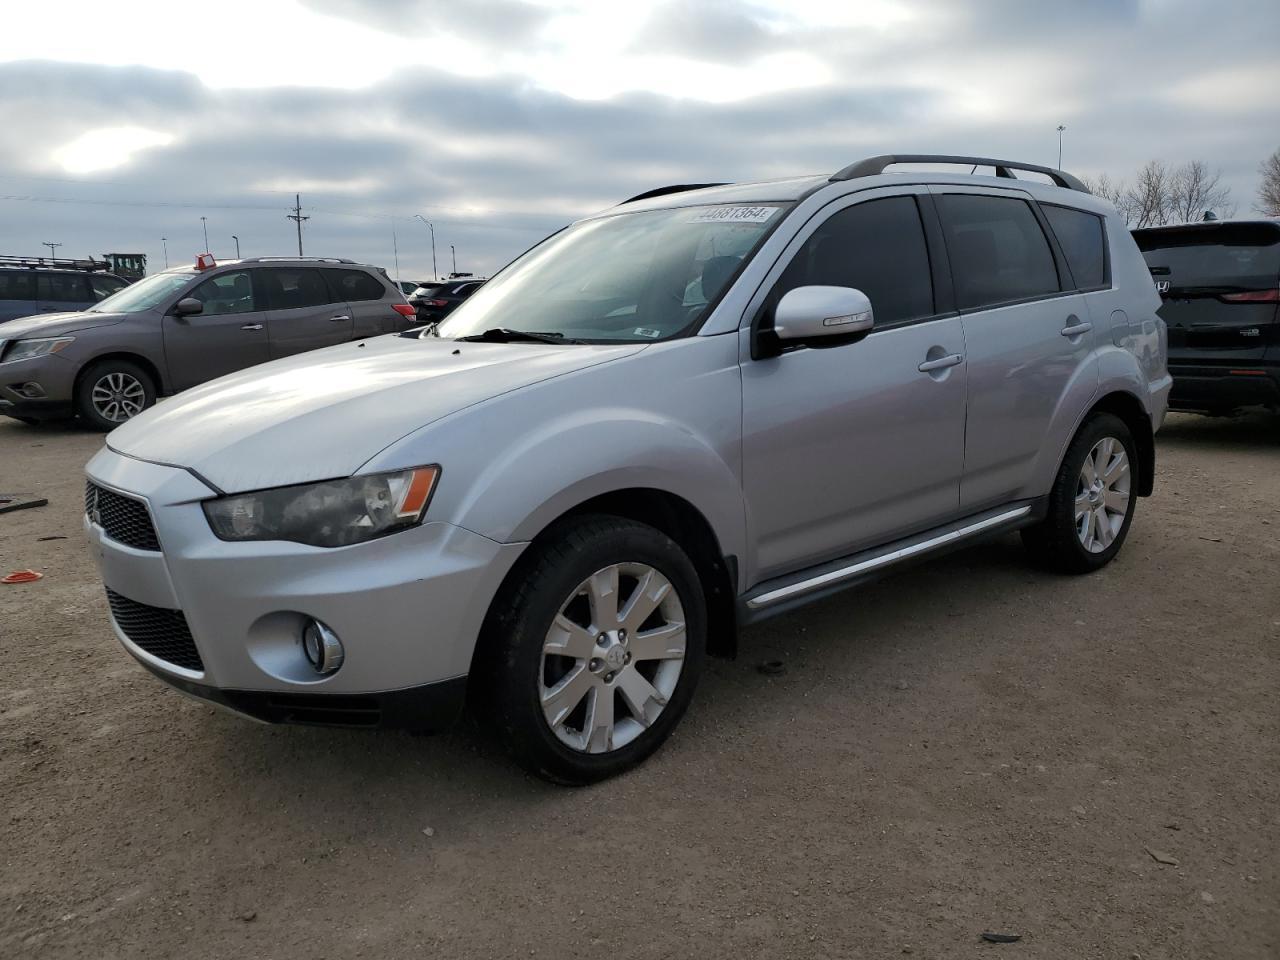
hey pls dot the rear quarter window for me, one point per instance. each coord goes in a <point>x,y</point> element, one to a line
<point>1083,240</point>
<point>355,285</point>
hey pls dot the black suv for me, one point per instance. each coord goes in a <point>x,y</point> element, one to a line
<point>435,301</point>
<point>1221,287</point>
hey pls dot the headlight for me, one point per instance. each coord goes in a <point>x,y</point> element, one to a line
<point>26,349</point>
<point>330,514</point>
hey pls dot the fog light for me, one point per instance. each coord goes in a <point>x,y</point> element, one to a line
<point>31,390</point>
<point>322,647</point>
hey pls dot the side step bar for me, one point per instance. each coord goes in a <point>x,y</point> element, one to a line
<point>775,595</point>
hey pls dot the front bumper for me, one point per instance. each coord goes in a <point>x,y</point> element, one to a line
<point>408,607</point>
<point>55,378</point>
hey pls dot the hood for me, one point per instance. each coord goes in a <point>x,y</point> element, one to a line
<point>55,324</point>
<point>321,415</point>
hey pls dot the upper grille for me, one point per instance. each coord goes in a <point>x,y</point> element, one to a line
<point>162,633</point>
<point>124,519</point>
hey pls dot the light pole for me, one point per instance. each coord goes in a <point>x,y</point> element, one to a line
<point>1061,128</point>
<point>204,225</point>
<point>454,254</point>
<point>53,248</point>
<point>237,240</point>
<point>395,248</point>
<point>165,247</point>
<point>435,272</point>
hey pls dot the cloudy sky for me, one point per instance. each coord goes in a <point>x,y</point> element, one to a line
<point>500,120</point>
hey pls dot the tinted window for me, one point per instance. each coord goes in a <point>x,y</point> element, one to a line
<point>877,247</point>
<point>105,286</point>
<point>1082,240</point>
<point>1244,256</point>
<point>288,289</point>
<point>998,251</point>
<point>228,293</point>
<point>354,285</point>
<point>64,287</point>
<point>16,285</point>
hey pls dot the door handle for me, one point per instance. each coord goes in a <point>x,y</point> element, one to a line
<point>1075,329</point>
<point>950,360</point>
<point>338,319</point>
<point>251,326</point>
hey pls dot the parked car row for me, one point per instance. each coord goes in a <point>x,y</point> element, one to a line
<point>691,411</point>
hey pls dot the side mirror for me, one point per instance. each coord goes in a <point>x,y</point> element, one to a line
<point>187,307</point>
<point>810,313</point>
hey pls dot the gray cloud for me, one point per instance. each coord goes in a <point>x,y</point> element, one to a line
<point>714,30</point>
<point>497,163</point>
<point>490,21</point>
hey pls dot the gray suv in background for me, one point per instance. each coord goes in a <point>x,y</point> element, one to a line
<point>691,411</point>
<point>179,328</point>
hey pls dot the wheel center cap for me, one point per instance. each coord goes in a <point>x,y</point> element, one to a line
<point>615,656</point>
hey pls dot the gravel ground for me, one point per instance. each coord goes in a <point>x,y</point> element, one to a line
<point>973,745</point>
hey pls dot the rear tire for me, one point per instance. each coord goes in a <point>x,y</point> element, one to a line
<point>1092,501</point>
<point>583,672</point>
<point>111,392</point>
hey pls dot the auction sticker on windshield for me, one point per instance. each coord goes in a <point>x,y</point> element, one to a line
<point>734,214</point>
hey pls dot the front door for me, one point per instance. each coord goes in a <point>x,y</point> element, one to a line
<point>230,334</point>
<point>853,445</point>
<point>303,313</point>
<point>1026,336</point>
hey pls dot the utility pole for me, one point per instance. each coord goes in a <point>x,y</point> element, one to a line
<point>237,240</point>
<point>454,253</point>
<point>204,225</point>
<point>1061,128</point>
<point>435,271</point>
<point>297,218</point>
<point>164,245</point>
<point>395,247</point>
<point>53,248</point>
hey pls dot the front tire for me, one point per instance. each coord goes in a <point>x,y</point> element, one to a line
<point>110,392</point>
<point>1092,501</point>
<point>592,659</point>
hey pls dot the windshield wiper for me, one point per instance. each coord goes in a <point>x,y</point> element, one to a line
<point>507,335</point>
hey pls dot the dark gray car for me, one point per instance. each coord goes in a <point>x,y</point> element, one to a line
<point>182,327</point>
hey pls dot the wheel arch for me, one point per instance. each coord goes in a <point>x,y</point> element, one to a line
<point>1129,408</point>
<point>678,519</point>
<point>135,358</point>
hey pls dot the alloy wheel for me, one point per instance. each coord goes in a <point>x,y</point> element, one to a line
<point>612,657</point>
<point>1102,495</point>
<point>118,396</point>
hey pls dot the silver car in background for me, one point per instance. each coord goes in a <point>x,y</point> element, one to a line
<point>689,412</point>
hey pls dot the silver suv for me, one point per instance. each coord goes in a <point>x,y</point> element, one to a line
<point>176,329</point>
<point>689,412</point>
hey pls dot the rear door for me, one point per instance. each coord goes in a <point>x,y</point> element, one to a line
<point>1026,333</point>
<point>60,292</point>
<point>1221,288</point>
<point>303,312</point>
<point>229,335</point>
<point>369,301</point>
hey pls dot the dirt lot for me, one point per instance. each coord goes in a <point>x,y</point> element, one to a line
<point>973,746</point>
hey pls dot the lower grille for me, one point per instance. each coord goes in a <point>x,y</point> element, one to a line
<point>123,519</point>
<point>162,633</point>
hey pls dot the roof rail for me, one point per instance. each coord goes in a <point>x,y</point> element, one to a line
<point>294,259</point>
<point>50,263</point>
<point>674,188</point>
<point>873,166</point>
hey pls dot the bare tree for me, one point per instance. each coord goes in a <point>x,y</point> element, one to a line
<point>1116,191</point>
<point>1269,189</point>
<point>1150,195</point>
<point>1194,191</point>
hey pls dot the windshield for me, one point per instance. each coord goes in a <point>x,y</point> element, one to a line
<point>634,277</point>
<point>143,295</point>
